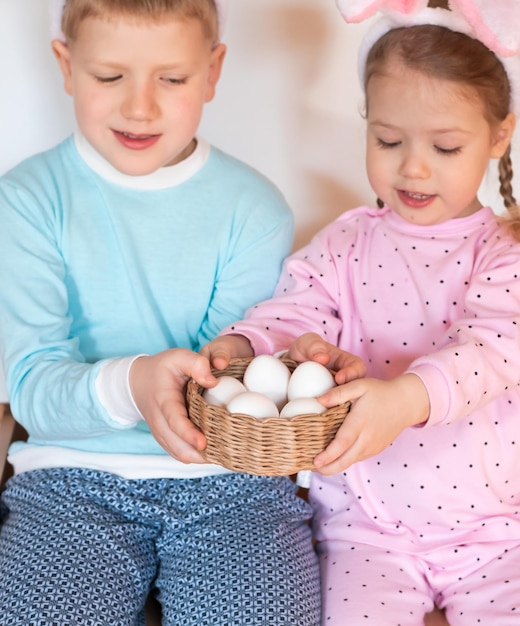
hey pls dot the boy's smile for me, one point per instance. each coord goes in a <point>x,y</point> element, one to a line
<point>139,90</point>
<point>136,142</point>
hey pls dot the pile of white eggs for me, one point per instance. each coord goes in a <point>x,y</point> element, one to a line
<point>270,390</point>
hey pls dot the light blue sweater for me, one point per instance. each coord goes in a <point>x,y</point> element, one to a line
<point>97,265</point>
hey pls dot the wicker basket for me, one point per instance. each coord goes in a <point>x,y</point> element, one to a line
<point>272,446</point>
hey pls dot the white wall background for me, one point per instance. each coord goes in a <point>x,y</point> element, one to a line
<point>288,102</point>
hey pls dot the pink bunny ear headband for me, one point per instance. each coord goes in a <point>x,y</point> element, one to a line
<point>492,22</point>
<point>57,11</point>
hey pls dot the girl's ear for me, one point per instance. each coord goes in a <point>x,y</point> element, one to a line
<point>503,135</point>
<point>62,53</point>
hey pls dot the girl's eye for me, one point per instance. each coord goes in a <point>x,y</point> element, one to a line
<point>387,144</point>
<point>108,79</point>
<point>448,151</point>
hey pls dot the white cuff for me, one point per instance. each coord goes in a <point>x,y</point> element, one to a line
<point>303,479</point>
<point>113,390</point>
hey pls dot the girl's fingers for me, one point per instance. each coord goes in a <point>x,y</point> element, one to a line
<point>338,395</point>
<point>310,347</point>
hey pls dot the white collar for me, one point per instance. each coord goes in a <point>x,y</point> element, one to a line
<point>162,178</point>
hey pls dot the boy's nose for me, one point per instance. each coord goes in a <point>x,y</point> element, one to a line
<point>140,103</point>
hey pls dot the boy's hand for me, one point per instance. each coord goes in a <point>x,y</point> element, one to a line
<point>158,385</point>
<point>311,347</point>
<point>222,349</point>
<point>380,411</point>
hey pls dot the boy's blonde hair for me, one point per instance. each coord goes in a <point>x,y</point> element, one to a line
<point>75,11</point>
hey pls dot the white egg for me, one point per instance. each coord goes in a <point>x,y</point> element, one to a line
<point>309,379</point>
<point>226,388</point>
<point>302,406</point>
<point>253,403</point>
<point>269,376</point>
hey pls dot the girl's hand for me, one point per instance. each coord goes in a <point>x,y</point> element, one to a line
<point>158,385</point>
<point>380,411</point>
<point>311,347</point>
<point>226,347</point>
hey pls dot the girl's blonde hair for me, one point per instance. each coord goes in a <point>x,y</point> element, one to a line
<point>75,11</point>
<point>447,55</point>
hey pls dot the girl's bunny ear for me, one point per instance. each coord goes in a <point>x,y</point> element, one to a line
<point>359,10</point>
<point>496,23</point>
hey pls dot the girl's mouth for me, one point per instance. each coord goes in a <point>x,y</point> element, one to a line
<point>415,200</point>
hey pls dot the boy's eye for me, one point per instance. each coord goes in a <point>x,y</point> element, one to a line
<point>448,151</point>
<point>108,79</point>
<point>387,144</point>
<point>175,81</point>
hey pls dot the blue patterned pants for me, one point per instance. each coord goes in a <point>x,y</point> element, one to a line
<point>81,547</point>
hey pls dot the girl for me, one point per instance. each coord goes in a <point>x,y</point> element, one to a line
<point>417,500</point>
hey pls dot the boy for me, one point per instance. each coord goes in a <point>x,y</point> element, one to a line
<point>131,244</point>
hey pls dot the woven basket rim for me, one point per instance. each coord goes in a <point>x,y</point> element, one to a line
<point>270,446</point>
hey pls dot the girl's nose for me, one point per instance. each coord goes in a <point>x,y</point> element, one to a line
<point>140,102</point>
<point>414,164</point>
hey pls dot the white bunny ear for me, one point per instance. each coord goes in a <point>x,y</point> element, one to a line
<point>56,11</point>
<point>359,10</point>
<point>496,23</point>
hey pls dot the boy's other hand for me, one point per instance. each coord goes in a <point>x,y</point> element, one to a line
<point>158,387</point>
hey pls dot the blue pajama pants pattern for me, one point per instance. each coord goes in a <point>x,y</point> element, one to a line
<point>81,547</point>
